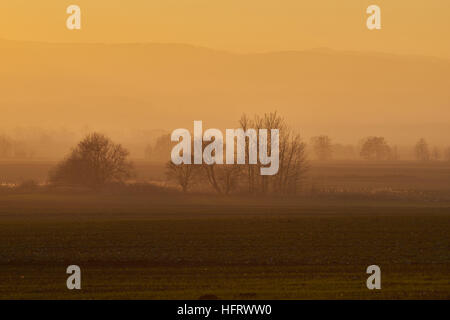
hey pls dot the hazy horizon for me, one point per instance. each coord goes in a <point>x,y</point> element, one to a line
<point>409,26</point>
<point>340,189</point>
<point>154,67</point>
<point>347,95</point>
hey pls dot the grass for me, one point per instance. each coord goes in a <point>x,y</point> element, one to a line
<point>177,247</point>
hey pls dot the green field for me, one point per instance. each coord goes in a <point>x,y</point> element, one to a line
<point>183,247</point>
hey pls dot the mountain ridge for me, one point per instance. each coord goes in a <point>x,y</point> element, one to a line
<point>170,85</point>
<point>324,50</point>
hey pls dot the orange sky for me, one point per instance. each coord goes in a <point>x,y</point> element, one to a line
<point>409,26</point>
<point>347,95</point>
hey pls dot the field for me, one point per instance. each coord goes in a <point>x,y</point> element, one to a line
<point>353,175</point>
<point>141,246</point>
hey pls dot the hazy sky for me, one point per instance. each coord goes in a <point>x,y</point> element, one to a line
<point>344,94</point>
<point>408,26</point>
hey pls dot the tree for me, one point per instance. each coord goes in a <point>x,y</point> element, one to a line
<point>6,147</point>
<point>344,151</point>
<point>422,150</point>
<point>394,153</point>
<point>375,148</point>
<point>94,162</point>
<point>225,178</point>
<point>447,154</point>
<point>183,174</point>
<point>436,154</point>
<point>161,149</point>
<point>293,163</point>
<point>322,147</point>
<point>222,178</point>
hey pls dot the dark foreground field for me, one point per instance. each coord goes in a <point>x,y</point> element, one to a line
<point>177,247</point>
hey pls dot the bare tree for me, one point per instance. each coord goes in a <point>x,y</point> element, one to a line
<point>292,157</point>
<point>229,176</point>
<point>183,174</point>
<point>422,150</point>
<point>293,163</point>
<point>322,147</point>
<point>435,154</point>
<point>246,124</point>
<point>447,154</point>
<point>223,178</point>
<point>94,162</point>
<point>160,151</point>
<point>344,151</point>
<point>394,153</point>
<point>6,147</point>
<point>375,148</point>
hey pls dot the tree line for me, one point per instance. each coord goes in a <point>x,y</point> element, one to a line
<point>226,178</point>
<point>377,148</point>
<point>12,149</point>
<point>97,161</point>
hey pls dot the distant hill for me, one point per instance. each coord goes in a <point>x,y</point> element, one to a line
<point>165,86</point>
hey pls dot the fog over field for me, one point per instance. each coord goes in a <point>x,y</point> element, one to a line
<point>338,164</point>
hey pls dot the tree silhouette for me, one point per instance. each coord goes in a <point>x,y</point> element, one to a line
<point>375,148</point>
<point>447,154</point>
<point>94,162</point>
<point>422,150</point>
<point>322,147</point>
